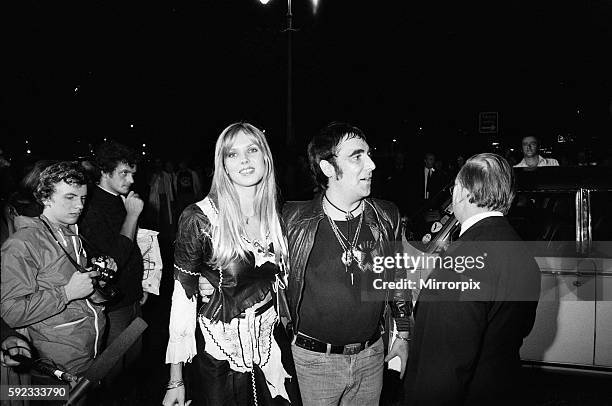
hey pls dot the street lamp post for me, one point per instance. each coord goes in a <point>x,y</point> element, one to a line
<point>289,138</point>
<point>288,30</point>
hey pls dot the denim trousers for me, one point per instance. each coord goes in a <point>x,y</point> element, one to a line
<point>338,379</point>
<point>117,321</point>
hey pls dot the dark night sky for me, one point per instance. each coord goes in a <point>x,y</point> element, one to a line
<point>183,70</point>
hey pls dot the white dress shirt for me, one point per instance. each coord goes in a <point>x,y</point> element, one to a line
<point>541,162</point>
<point>476,218</point>
<point>427,172</point>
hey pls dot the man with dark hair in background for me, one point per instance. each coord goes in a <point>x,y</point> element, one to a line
<point>110,223</point>
<point>431,181</point>
<point>531,154</point>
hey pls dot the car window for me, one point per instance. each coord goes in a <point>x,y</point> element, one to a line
<point>601,223</point>
<point>548,218</point>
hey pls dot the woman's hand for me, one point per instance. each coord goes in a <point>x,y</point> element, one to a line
<point>175,391</point>
<point>206,289</point>
<point>175,397</point>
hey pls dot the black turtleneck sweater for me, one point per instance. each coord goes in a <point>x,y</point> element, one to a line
<point>101,225</point>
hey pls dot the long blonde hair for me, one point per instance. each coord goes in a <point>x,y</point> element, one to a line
<point>228,244</point>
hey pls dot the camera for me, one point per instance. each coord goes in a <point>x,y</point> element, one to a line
<point>102,292</point>
<point>100,265</point>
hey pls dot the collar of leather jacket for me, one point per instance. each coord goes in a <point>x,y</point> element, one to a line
<point>303,217</point>
<point>313,210</point>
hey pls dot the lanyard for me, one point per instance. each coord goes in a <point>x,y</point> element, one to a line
<point>76,263</point>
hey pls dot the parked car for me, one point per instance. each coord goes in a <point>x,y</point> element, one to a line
<point>565,215</point>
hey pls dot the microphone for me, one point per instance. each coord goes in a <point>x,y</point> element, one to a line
<point>109,357</point>
<point>44,368</point>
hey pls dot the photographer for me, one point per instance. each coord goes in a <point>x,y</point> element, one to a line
<point>44,285</point>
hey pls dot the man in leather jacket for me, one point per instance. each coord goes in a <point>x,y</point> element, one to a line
<point>336,323</point>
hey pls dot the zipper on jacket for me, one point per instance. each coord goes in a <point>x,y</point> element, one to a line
<point>78,257</point>
<point>95,326</point>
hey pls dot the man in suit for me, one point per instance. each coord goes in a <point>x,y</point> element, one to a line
<point>466,342</point>
<point>425,198</point>
<point>425,183</point>
<point>432,180</point>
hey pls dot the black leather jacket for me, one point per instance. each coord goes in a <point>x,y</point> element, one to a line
<point>302,219</point>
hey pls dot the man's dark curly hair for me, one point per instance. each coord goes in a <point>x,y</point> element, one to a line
<point>70,172</point>
<point>324,146</point>
<point>110,154</point>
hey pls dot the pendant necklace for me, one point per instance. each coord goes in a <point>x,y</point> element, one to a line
<point>348,214</point>
<point>349,248</point>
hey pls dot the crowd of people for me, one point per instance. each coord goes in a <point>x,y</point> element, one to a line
<point>273,301</point>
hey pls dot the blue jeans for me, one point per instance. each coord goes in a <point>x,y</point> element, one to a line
<point>338,379</point>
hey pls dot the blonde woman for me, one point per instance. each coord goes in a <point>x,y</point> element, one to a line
<point>233,238</point>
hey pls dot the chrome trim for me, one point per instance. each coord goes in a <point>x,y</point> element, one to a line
<point>588,219</point>
<point>560,366</point>
<point>577,274</point>
<point>579,234</point>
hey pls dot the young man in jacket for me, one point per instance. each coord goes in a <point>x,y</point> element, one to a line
<point>337,327</point>
<point>42,289</point>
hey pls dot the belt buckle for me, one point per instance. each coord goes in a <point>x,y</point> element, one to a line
<point>352,349</point>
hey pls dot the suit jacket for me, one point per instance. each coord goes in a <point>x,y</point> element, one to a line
<point>434,185</point>
<point>415,184</point>
<point>466,344</point>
